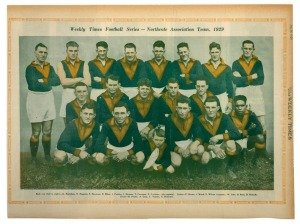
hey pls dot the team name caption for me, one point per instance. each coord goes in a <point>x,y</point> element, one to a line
<point>143,29</point>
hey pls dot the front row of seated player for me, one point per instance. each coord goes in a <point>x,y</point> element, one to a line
<point>119,140</point>
<point>212,135</point>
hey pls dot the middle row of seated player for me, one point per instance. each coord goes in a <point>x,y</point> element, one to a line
<point>202,137</point>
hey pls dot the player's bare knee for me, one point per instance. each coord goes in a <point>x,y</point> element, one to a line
<point>140,157</point>
<point>200,150</point>
<point>205,158</point>
<point>60,157</point>
<point>36,131</point>
<point>46,137</point>
<point>35,134</point>
<point>100,159</point>
<point>47,127</point>
<point>260,139</point>
<point>170,169</point>
<point>230,144</point>
<point>34,138</point>
<point>176,159</point>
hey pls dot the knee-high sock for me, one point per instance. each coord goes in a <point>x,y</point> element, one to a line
<point>34,145</point>
<point>265,135</point>
<point>46,141</point>
<point>260,149</point>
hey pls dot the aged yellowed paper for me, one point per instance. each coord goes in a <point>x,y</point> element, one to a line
<point>271,29</point>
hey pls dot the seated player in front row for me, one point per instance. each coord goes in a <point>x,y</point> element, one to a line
<point>218,133</point>
<point>124,140</point>
<point>250,128</point>
<point>182,130</point>
<point>157,153</point>
<point>74,107</point>
<point>78,138</point>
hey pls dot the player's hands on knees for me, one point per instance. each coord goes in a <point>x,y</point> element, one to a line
<point>84,155</point>
<point>95,154</point>
<point>122,156</point>
<point>194,147</point>
<point>214,140</point>
<point>184,152</point>
<point>73,159</point>
<point>220,153</point>
<point>114,155</point>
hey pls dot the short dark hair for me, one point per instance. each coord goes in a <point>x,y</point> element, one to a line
<point>144,82</point>
<point>159,43</point>
<point>122,104</point>
<point>183,99</point>
<point>214,45</point>
<point>102,44</point>
<point>112,77</point>
<point>80,84</point>
<point>159,132</point>
<point>201,78</point>
<point>88,106</point>
<point>248,42</point>
<point>212,99</point>
<point>40,45</point>
<point>182,44</point>
<point>173,80</point>
<point>130,45</point>
<point>72,44</point>
<point>240,97</point>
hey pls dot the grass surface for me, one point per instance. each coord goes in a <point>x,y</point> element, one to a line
<point>125,176</point>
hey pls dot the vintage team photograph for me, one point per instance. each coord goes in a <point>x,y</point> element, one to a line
<point>147,112</point>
